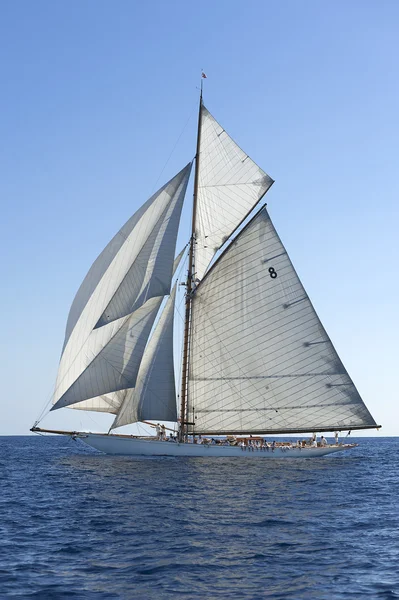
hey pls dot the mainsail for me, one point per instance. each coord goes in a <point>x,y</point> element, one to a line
<point>115,307</point>
<point>260,357</point>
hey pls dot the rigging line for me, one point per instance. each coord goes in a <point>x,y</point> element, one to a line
<point>178,309</point>
<point>227,185</point>
<point>172,151</point>
<point>92,419</point>
<point>179,273</point>
<point>142,429</point>
<point>44,412</point>
<point>179,370</point>
<point>179,335</point>
<point>46,404</point>
<point>183,259</point>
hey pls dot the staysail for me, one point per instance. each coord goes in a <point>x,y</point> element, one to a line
<point>154,397</point>
<point>230,184</point>
<point>116,305</point>
<point>260,358</point>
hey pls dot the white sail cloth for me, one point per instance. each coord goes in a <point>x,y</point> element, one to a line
<point>154,397</point>
<point>260,358</point>
<point>135,267</point>
<point>108,403</point>
<point>229,186</point>
<point>112,402</point>
<point>115,366</point>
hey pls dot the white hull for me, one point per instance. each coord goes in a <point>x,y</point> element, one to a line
<point>130,446</point>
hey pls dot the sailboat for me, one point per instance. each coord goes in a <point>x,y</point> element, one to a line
<point>256,360</point>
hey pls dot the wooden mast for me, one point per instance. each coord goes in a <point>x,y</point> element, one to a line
<point>189,288</point>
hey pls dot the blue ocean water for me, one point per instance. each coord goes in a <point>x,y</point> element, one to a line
<point>78,524</point>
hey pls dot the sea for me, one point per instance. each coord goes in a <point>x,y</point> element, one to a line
<point>75,523</point>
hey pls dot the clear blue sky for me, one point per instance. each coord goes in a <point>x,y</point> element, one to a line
<point>94,95</point>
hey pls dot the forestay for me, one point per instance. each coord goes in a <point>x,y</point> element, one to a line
<point>229,186</point>
<point>154,397</point>
<point>135,268</point>
<point>260,357</point>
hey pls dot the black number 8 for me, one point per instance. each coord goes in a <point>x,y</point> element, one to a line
<point>273,273</point>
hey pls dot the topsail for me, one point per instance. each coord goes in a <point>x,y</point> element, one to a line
<point>230,184</point>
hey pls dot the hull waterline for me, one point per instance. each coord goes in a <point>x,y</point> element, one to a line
<point>127,446</point>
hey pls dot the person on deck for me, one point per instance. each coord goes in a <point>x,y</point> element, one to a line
<point>158,430</point>
<point>163,432</point>
<point>323,441</point>
<point>336,434</point>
